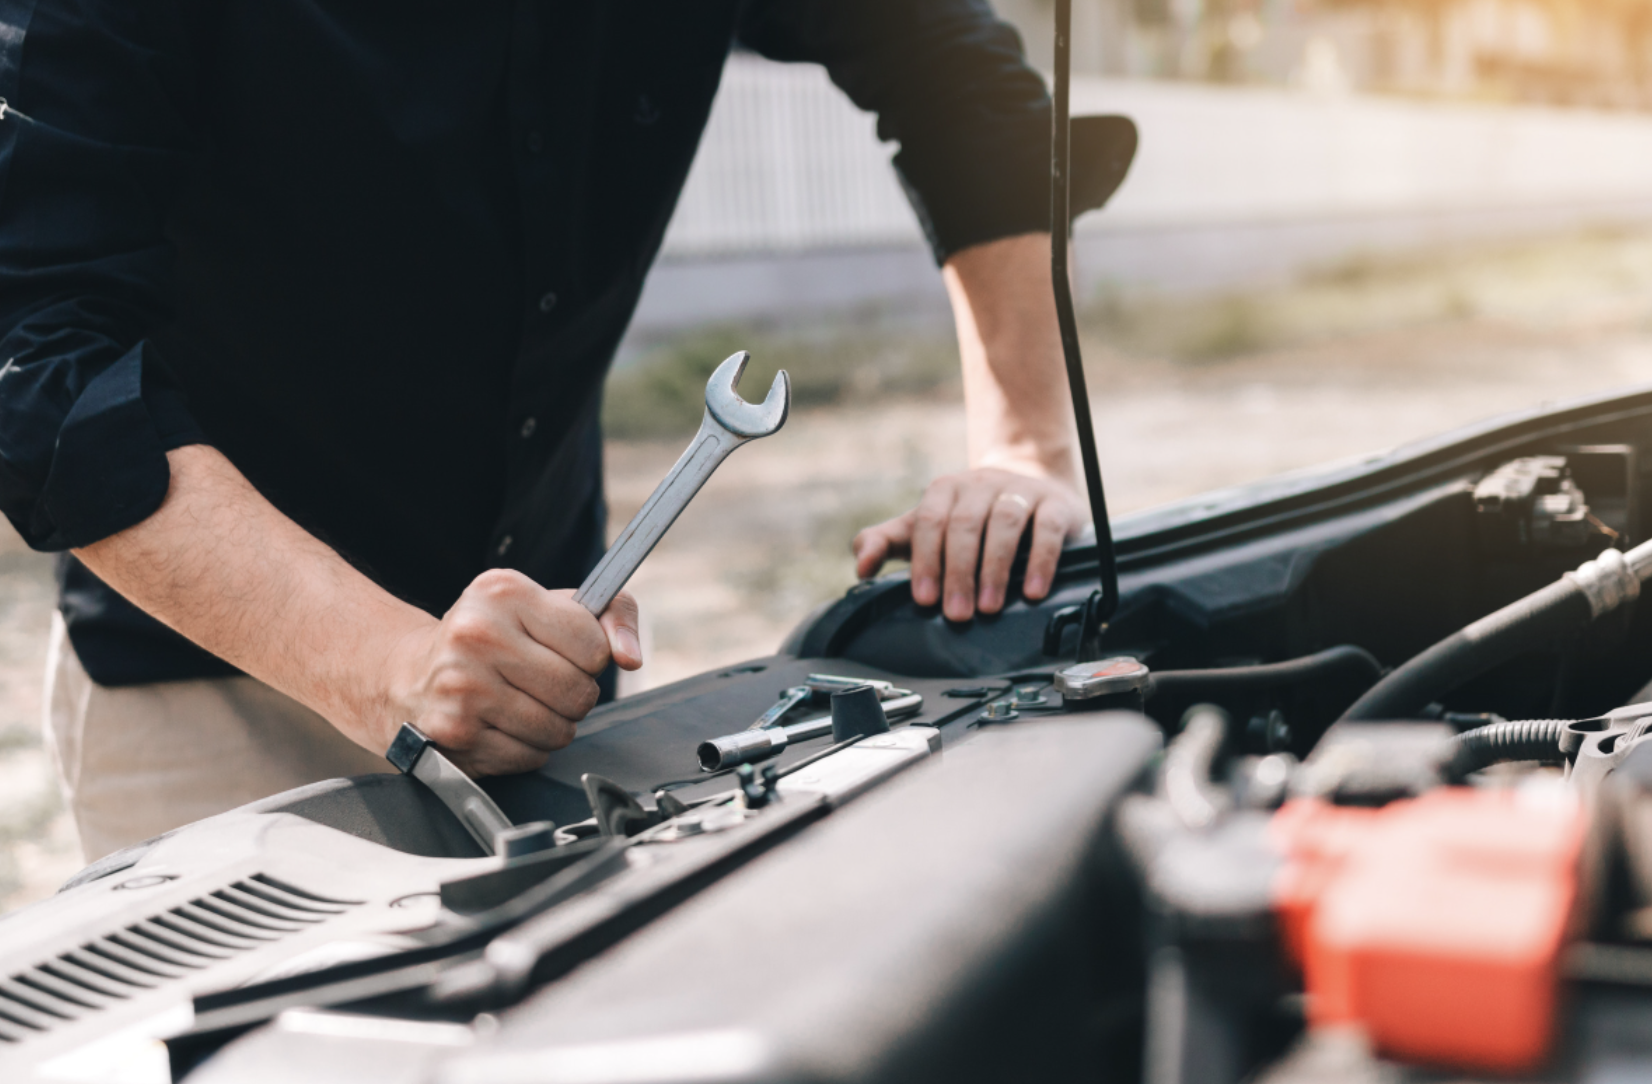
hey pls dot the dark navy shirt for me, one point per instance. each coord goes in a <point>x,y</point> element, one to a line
<point>380,252</point>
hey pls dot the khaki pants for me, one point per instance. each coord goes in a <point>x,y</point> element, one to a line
<point>138,761</point>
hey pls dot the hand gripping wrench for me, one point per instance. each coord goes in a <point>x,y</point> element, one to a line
<point>730,421</point>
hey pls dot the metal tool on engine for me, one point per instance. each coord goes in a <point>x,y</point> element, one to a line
<point>793,698</point>
<point>729,422</point>
<point>414,754</point>
<point>819,685</point>
<point>748,746</point>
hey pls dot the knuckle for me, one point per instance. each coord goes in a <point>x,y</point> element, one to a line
<point>560,735</point>
<point>1052,522</point>
<point>453,685</point>
<point>1008,514</point>
<point>1053,531</point>
<point>930,518</point>
<point>590,652</point>
<point>467,628</point>
<point>533,724</point>
<point>583,697</point>
<point>498,583</point>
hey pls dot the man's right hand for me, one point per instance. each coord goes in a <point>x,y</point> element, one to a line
<point>500,682</point>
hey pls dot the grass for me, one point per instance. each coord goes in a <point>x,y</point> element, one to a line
<point>787,582</point>
<point>1588,275</point>
<point>662,393</point>
<point>1571,279</point>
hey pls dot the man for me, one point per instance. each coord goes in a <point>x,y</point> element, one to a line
<point>306,306</point>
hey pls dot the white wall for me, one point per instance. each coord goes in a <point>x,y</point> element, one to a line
<point>1243,155</point>
<point>788,164</point>
<point>792,209</point>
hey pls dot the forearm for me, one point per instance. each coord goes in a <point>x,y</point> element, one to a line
<point>964,535</point>
<point>221,565</point>
<point>1015,390</point>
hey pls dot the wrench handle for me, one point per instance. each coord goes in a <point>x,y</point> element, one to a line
<point>710,447</point>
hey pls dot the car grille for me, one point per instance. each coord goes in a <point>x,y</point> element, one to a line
<point>191,937</point>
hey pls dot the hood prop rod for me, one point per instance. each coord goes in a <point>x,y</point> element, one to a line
<point>1099,610</point>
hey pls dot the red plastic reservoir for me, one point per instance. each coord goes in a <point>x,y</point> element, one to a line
<point>1436,924</point>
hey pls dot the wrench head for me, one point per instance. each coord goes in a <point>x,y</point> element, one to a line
<point>739,417</point>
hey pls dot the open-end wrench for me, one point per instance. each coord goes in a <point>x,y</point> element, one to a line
<point>729,422</point>
<point>791,698</point>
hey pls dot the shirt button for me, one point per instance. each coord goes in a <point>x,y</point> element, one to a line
<point>504,545</point>
<point>547,302</point>
<point>528,426</point>
<point>536,142</point>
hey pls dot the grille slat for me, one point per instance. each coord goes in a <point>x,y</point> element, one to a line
<point>41,979</point>
<point>138,938</point>
<point>161,953</point>
<point>215,921</point>
<point>138,961</point>
<point>234,912</point>
<point>12,1032</point>
<point>39,1000</point>
<point>268,908</point>
<point>288,896</point>
<point>69,971</point>
<point>111,969</point>
<point>183,943</point>
<point>26,1014</point>
<point>236,919</point>
<point>195,931</point>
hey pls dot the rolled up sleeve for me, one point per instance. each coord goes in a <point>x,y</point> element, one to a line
<point>950,84</point>
<point>92,145</point>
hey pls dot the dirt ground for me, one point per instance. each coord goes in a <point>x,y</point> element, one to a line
<point>768,538</point>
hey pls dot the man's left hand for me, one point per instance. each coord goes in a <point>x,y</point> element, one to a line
<point>974,520</point>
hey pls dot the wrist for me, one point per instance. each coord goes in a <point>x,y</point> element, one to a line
<point>389,677</point>
<point>1055,465</point>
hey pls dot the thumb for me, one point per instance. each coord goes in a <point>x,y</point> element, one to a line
<point>882,542</point>
<point>620,622</point>
<point>871,547</point>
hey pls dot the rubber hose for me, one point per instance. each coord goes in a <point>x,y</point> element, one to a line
<point>1500,743</point>
<point>1355,661</point>
<point>1527,625</point>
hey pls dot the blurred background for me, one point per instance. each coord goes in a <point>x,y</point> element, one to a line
<point>1351,223</point>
